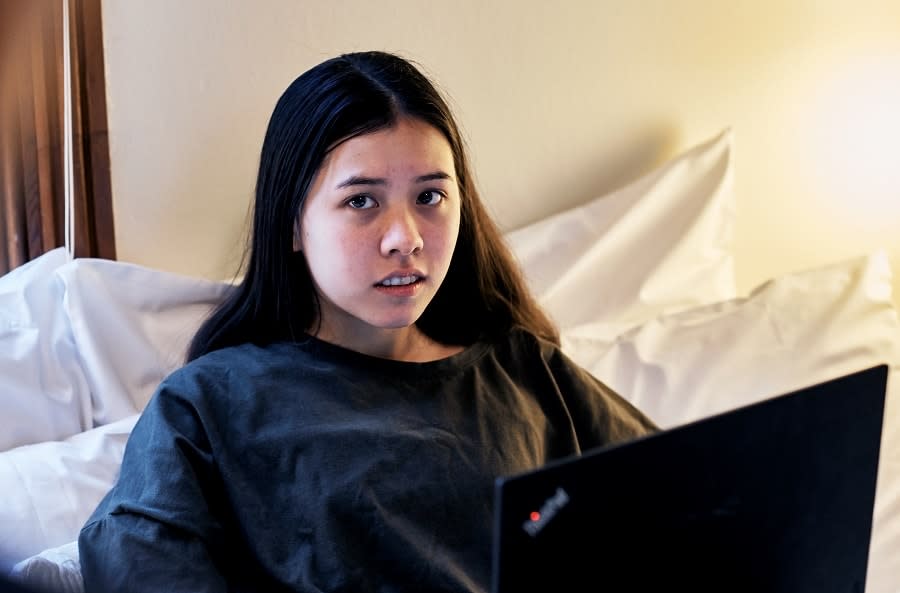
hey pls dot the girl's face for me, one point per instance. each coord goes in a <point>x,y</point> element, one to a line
<point>378,229</point>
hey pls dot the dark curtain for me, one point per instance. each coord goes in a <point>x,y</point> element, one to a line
<point>32,195</point>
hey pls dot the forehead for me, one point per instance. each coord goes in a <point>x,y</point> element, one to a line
<point>408,146</point>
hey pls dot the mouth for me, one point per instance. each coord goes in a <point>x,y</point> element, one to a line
<point>400,280</point>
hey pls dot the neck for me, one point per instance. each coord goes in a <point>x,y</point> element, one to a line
<point>408,344</point>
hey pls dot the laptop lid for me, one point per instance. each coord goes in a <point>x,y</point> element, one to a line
<point>776,496</point>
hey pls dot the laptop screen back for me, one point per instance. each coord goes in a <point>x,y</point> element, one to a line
<point>776,497</point>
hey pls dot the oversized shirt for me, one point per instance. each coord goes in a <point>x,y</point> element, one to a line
<point>307,467</point>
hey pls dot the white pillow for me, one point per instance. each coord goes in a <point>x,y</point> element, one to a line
<point>660,244</point>
<point>85,342</point>
<point>56,570</point>
<point>50,489</point>
<point>131,326</point>
<point>791,332</point>
<point>104,334</point>
<point>43,392</point>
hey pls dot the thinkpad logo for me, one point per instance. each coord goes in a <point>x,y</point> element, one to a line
<point>537,520</point>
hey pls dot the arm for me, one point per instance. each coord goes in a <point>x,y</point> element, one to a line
<point>158,528</point>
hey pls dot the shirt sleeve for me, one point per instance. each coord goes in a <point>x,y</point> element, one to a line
<point>157,529</point>
<point>600,415</point>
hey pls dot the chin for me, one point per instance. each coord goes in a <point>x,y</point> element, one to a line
<point>398,322</point>
<point>396,317</point>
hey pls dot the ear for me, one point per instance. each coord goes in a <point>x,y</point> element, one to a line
<point>298,245</point>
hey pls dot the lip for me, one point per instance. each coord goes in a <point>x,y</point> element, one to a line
<point>402,290</point>
<point>401,274</point>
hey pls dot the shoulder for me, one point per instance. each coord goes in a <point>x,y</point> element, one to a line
<point>522,342</point>
<point>217,392</point>
<point>225,371</point>
<point>536,353</point>
<point>244,358</point>
<point>523,352</point>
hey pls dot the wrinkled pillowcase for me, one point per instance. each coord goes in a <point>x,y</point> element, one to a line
<point>43,391</point>
<point>56,569</point>
<point>131,326</point>
<point>793,331</point>
<point>86,341</point>
<point>51,488</point>
<point>663,243</point>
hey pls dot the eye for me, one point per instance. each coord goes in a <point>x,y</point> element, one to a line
<point>432,197</point>
<point>361,202</point>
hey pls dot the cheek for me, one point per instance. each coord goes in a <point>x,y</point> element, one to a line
<point>440,243</point>
<point>449,234</point>
<point>333,252</point>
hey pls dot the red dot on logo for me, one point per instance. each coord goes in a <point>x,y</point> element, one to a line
<point>535,516</point>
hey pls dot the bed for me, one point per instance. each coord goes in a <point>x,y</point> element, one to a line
<point>641,282</point>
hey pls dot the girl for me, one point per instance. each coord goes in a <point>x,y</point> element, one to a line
<point>344,413</point>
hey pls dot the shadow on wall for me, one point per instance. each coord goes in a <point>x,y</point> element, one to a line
<point>594,173</point>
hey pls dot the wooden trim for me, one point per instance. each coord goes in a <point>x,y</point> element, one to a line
<point>29,82</point>
<point>47,145</point>
<point>12,215</point>
<point>92,130</point>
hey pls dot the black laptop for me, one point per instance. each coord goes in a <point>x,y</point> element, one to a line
<point>774,497</point>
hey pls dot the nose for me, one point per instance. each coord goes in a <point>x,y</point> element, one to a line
<point>401,236</point>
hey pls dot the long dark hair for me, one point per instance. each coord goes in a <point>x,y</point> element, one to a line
<point>483,294</point>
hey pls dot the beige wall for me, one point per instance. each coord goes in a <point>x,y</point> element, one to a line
<point>560,101</point>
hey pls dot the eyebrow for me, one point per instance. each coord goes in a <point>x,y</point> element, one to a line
<point>360,180</point>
